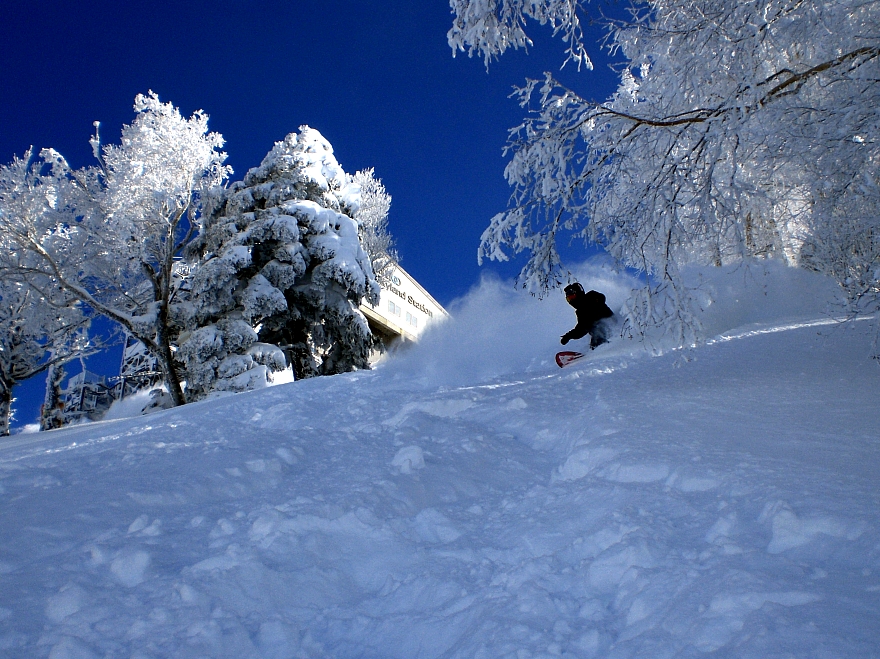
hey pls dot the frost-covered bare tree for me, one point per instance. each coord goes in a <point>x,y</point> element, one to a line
<point>740,128</point>
<point>41,326</point>
<point>108,235</point>
<point>281,267</point>
<point>490,27</point>
<point>36,334</point>
<point>372,219</point>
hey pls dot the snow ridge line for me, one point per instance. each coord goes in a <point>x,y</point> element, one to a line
<point>725,337</point>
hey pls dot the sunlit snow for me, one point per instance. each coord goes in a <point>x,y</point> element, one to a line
<point>470,499</point>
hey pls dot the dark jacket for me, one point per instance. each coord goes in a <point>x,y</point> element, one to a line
<point>590,308</point>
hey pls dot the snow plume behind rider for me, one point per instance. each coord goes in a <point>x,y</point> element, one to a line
<point>499,329</point>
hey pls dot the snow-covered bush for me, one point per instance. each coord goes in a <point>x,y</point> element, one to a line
<point>279,252</point>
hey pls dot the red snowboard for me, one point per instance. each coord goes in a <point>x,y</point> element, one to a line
<point>567,357</point>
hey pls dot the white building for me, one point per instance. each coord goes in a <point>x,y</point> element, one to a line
<point>405,309</point>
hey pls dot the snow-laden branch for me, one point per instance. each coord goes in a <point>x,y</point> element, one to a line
<point>109,235</point>
<point>490,27</point>
<point>739,130</point>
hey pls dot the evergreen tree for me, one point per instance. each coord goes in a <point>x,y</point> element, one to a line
<point>281,268</point>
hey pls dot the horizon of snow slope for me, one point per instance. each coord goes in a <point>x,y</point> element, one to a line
<point>470,502</point>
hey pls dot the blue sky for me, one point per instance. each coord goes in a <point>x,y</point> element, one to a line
<point>376,78</point>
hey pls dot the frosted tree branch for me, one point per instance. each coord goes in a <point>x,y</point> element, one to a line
<point>739,130</point>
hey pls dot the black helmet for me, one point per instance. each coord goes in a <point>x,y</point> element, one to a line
<point>573,290</point>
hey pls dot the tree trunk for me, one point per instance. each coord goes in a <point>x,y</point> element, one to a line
<point>300,359</point>
<point>166,360</point>
<point>51,415</point>
<point>161,283</point>
<point>5,410</point>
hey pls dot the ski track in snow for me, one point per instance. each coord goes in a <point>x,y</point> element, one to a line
<point>623,507</point>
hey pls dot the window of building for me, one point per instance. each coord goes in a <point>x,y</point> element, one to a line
<point>411,319</point>
<point>394,309</point>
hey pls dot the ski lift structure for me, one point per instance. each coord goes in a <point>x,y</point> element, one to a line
<point>87,396</point>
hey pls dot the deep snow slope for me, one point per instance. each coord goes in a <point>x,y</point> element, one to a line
<point>629,506</point>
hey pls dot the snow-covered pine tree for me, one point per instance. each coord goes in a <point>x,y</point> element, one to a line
<point>281,268</point>
<point>52,410</point>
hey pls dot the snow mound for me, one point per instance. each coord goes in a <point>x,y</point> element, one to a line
<point>482,505</point>
<point>761,293</point>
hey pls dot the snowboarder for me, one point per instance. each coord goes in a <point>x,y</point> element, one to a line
<point>592,315</point>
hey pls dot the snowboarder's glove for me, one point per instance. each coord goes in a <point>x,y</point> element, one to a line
<point>564,340</point>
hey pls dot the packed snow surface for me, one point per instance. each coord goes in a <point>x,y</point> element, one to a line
<point>475,503</point>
